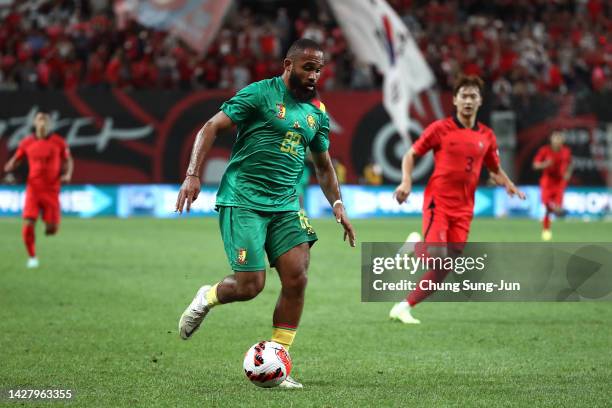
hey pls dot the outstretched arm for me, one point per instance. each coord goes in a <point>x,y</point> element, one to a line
<point>500,178</point>
<point>203,143</point>
<point>12,164</point>
<point>403,190</point>
<point>329,184</point>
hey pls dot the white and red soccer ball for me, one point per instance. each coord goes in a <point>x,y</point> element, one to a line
<point>267,364</point>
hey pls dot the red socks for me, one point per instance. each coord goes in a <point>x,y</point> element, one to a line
<point>27,232</point>
<point>546,220</point>
<point>418,295</point>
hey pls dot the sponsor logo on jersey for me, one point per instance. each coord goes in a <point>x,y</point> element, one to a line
<point>281,111</point>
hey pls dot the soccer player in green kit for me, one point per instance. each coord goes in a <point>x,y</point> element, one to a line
<point>259,212</point>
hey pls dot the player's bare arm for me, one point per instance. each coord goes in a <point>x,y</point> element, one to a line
<point>568,173</point>
<point>329,185</point>
<point>203,143</point>
<point>500,177</point>
<point>542,165</point>
<point>403,190</point>
<point>12,164</point>
<point>67,169</point>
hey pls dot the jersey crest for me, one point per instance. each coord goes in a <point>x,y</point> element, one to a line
<point>311,121</point>
<point>242,256</point>
<point>281,111</point>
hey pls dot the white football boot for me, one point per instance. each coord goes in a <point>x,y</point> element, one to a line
<point>290,383</point>
<point>546,235</point>
<point>32,262</point>
<point>411,241</point>
<point>192,317</point>
<point>401,312</point>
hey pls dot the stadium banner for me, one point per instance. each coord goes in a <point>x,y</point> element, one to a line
<point>371,202</point>
<point>195,21</point>
<point>145,137</point>
<point>488,272</point>
<point>158,200</point>
<point>80,201</point>
<point>583,202</point>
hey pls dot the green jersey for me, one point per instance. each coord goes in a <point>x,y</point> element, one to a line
<point>267,160</point>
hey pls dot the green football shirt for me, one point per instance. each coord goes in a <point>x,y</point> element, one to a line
<point>274,131</point>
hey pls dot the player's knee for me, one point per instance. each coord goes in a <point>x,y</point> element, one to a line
<point>51,229</point>
<point>295,284</point>
<point>249,289</point>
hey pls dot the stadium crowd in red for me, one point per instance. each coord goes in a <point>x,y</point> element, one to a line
<point>519,46</point>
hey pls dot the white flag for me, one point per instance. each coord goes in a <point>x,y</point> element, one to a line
<point>378,36</point>
<point>195,21</point>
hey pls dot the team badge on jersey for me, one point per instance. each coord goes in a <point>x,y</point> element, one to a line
<point>296,125</point>
<point>242,256</point>
<point>311,121</point>
<point>481,145</point>
<point>281,111</point>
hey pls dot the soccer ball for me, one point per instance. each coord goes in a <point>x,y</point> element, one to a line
<point>267,364</point>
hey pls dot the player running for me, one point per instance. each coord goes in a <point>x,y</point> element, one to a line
<point>50,165</point>
<point>555,161</point>
<point>461,145</point>
<point>259,212</point>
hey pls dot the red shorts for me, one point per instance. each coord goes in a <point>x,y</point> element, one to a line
<point>443,226</point>
<point>45,200</point>
<point>552,193</point>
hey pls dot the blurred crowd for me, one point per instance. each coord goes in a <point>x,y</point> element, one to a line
<point>520,47</point>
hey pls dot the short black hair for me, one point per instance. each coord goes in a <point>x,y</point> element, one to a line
<point>302,45</point>
<point>468,80</point>
<point>556,130</point>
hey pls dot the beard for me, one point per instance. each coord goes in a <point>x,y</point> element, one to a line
<point>300,91</point>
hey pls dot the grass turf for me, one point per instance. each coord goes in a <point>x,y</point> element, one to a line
<point>99,317</point>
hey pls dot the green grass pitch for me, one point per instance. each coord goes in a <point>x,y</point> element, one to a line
<point>100,314</point>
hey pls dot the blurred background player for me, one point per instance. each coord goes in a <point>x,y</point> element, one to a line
<point>259,211</point>
<point>461,145</point>
<point>555,161</point>
<point>50,164</point>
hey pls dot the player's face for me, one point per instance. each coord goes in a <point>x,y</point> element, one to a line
<point>41,123</point>
<point>305,73</point>
<point>556,140</point>
<point>467,101</point>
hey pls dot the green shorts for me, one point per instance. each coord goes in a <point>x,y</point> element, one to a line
<point>248,235</point>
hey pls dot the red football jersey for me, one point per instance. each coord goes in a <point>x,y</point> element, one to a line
<point>458,154</point>
<point>45,157</point>
<point>561,160</point>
